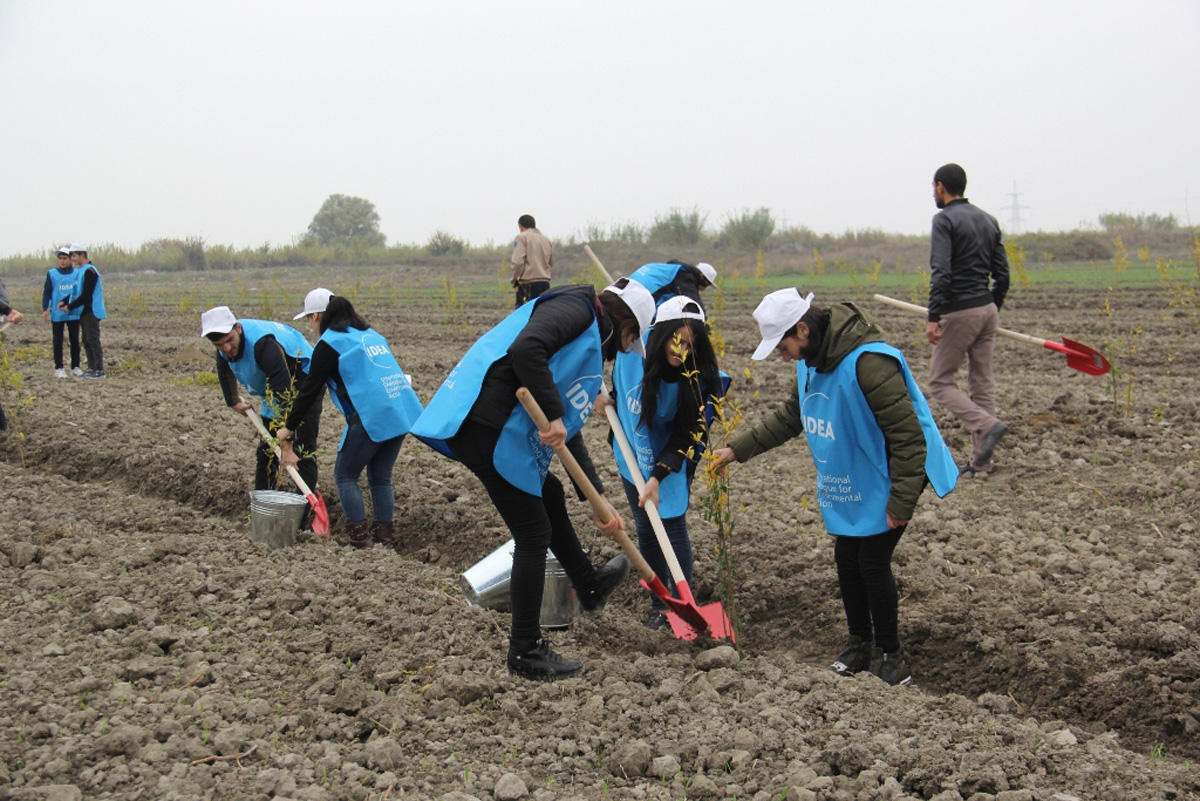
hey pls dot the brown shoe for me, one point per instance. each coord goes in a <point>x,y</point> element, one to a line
<point>382,534</point>
<point>360,534</point>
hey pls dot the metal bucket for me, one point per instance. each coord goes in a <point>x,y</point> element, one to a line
<point>487,584</point>
<point>275,517</point>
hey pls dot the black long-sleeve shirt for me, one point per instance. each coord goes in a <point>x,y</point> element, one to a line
<point>270,357</point>
<point>322,367</point>
<point>967,263</point>
<point>87,290</point>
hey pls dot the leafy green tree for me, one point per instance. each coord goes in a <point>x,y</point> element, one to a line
<point>346,220</point>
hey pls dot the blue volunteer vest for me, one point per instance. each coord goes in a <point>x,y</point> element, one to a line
<point>64,286</point>
<point>246,368</point>
<point>848,447</point>
<point>647,442</point>
<point>373,385</point>
<point>520,457</point>
<point>656,276</point>
<point>97,293</point>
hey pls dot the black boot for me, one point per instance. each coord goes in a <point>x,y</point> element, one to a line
<point>382,534</point>
<point>535,660</point>
<point>360,534</point>
<point>598,586</point>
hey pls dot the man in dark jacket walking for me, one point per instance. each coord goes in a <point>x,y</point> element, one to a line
<point>967,284</point>
<point>873,443</point>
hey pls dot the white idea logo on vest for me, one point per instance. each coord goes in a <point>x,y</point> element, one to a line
<point>377,350</point>
<point>633,400</point>
<point>579,398</point>
<point>814,425</point>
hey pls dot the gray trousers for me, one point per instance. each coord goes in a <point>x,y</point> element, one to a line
<point>967,334</point>
<point>89,326</point>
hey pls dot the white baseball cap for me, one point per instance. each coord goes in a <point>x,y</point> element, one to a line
<point>776,315</point>
<point>640,302</point>
<point>64,251</point>
<point>708,271</point>
<point>679,307</point>
<point>77,247</point>
<point>315,301</point>
<point>217,320</point>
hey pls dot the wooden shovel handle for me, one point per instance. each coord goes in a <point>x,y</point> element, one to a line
<point>291,471</point>
<point>596,260</point>
<point>594,497</point>
<point>1017,335</point>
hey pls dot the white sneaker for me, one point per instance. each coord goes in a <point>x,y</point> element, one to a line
<point>76,371</point>
<point>60,373</point>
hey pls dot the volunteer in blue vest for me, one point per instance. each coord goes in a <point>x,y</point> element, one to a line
<point>375,395</point>
<point>874,445</point>
<point>89,304</point>
<point>555,346</point>
<point>674,277</point>
<point>661,403</point>
<point>62,282</point>
<point>270,360</point>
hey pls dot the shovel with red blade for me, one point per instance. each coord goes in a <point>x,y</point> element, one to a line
<point>320,521</point>
<point>1079,356</point>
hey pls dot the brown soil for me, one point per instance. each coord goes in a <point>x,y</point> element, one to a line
<point>1051,611</point>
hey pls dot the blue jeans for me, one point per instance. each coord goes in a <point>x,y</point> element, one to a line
<point>378,458</point>
<point>677,534</point>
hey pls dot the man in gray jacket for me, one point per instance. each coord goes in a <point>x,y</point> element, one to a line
<point>967,284</point>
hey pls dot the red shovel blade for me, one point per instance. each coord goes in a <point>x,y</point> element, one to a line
<point>1080,357</point>
<point>320,521</point>
<point>688,621</point>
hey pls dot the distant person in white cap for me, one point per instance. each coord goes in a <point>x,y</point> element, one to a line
<point>532,260</point>
<point>670,278</point>
<point>89,301</point>
<point>661,402</point>
<point>7,315</point>
<point>270,360</point>
<point>62,283</point>
<point>376,397</point>
<point>874,445</point>
<point>555,346</point>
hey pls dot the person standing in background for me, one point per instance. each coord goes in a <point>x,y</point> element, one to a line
<point>9,315</point>
<point>62,282</point>
<point>90,302</point>
<point>968,279</point>
<point>532,260</point>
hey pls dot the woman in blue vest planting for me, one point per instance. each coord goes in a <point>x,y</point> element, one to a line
<point>369,387</point>
<point>555,346</point>
<point>874,445</point>
<point>661,404</point>
<point>270,360</point>
<point>668,279</point>
<point>62,283</point>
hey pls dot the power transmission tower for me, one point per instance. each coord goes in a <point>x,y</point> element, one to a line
<point>1014,207</point>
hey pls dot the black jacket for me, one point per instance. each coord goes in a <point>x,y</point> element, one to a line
<point>967,263</point>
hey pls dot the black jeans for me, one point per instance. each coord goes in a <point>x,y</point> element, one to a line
<point>90,326</point>
<point>535,524</point>
<point>530,291</point>
<point>304,440</point>
<point>56,330</point>
<point>864,568</point>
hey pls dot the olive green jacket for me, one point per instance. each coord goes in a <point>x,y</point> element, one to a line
<point>882,385</point>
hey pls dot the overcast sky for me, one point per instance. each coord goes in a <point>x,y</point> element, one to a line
<point>234,120</point>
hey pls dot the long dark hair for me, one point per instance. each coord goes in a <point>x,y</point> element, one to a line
<point>701,358</point>
<point>340,315</point>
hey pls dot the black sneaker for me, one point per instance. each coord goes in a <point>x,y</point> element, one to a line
<point>602,582</point>
<point>539,662</point>
<point>855,659</point>
<point>656,620</point>
<point>989,442</point>
<point>893,668</point>
<point>95,374</point>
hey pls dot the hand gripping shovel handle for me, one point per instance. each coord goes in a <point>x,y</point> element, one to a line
<point>595,498</point>
<point>320,513</point>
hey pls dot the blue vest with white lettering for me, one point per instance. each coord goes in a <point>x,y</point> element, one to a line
<point>373,385</point>
<point>656,276</point>
<point>577,369</point>
<point>648,441</point>
<point>63,286</point>
<point>849,450</point>
<point>97,293</point>
<point>246,368</point>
